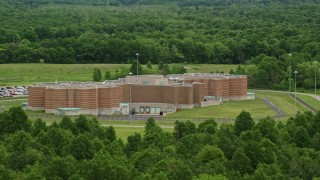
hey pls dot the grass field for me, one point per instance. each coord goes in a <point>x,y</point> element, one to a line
<point>309,100</point>
<point>208,68</point>
<point>27,74</point>
<point>7,103</point>
<point>282,100</point>
<point>231,109</point>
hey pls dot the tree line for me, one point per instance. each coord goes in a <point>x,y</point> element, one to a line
<point>83,149</point>
<point>259,33</point>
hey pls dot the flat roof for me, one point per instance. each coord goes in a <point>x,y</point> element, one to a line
<point>122,81</point>
<point>203,75</point>
<point>72,85</point>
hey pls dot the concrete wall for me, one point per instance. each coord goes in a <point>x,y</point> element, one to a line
<point>147,80</point>
<point>164,107</point>
<point>76,112</point>
<point>210,103</point>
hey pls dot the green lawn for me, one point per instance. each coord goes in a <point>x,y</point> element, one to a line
<point>207,68</point>
<point>231,109</point>
<point>8,103</point>
<point>282,100</point>
<point>27,74</point>
<point>309,100</point>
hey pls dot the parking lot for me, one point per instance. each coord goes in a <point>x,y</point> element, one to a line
<point>12,91</point>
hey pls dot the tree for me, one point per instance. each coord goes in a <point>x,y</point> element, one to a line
<point>154,135</point>
<point>96,76</point>
<point>134,67</point>
<point>106,166</point>
<point>60,167</point>
<point>38,126</point>
<point>111,133</point>
<point>82,124</point>
<point>166,69</point>
<point>14,120</point>
<point>211,160</point>
<point>145,159</point>
<point>67,124</point>
<point>172,169</point>
<point>207,126</point>
<point>243,122</point>
<point>183,128</point>
<point>133,144</point>
<point>177,69</point>
<point>240,162</point>
<point>267,128</point>
<point>301,137</point>
<point>107,75</point>
<point>41,61</point>
<point>81,147</point>
<point>161,65</point>
<point>149,65</point>
<point>269,71</point>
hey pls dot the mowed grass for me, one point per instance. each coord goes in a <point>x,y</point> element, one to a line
<point>281,100</point>
<point>27,74</point>
<point>210,68</point>
<point>231,109</point>
<point>309,100</point>
<point>8,103</point>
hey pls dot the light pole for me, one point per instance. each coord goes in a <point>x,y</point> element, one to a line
<point>315,82</point>
<point>137,63</point>
<point>295,91</point>
<point>290,73</point>
<point>130,113</point>
<point>130,73</point>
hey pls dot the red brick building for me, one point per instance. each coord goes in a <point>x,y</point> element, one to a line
<point>151,94</point>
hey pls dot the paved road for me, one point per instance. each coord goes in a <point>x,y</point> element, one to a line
<point>274,107</point>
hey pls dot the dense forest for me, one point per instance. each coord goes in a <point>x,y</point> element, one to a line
<point>83,149</point>
<point>258,32</point>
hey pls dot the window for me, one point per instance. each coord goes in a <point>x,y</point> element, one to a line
<point>147,109</point>
<point>141,109</point>
<point>145,82</point>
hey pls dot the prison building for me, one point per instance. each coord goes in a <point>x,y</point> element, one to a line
<point>224,86</point>
<point>73,98</point>
<point>144,94</point>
